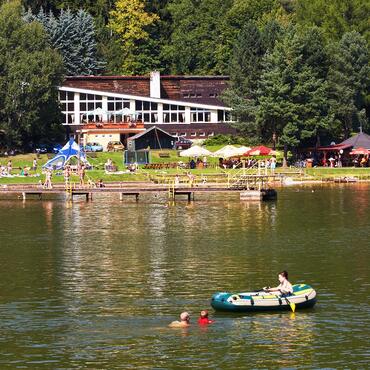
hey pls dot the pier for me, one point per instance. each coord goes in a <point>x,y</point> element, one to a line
<point>123,192</point>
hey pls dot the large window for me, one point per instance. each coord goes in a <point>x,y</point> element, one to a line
<point>146,111</point>
<point>173,113</point>
<point>89,103</point>
<point>224,116</point>
<point>200,115</point>
<point>115,109</point>
<point>66,99</point>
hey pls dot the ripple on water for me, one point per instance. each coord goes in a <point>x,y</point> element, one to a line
<point>96,284</point>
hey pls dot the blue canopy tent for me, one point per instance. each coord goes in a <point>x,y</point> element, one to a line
<point>70,150</point>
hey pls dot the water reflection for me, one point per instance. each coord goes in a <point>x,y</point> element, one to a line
<point>99,282</point>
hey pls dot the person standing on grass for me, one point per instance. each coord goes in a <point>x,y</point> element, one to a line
<point>34,164</point>
<point>9,167</point>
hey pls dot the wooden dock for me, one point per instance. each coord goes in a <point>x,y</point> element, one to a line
<point>29,192</point>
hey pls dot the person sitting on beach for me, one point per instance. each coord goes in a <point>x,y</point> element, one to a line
<point>203,319</point>
<point>183,323</point>
<point>284,287</point>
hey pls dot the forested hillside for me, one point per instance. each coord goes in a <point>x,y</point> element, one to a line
<point>198,36</point>
<point>299,69</point>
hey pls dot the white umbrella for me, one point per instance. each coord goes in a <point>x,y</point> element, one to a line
<point>195,151</point>
<point>226,152</point>
<point>97,112</point>
<point>242,150</point>
<point>125,112</point>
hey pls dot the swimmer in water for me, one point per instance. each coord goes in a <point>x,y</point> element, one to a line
<point>203,319</point>
<point>183,323</point>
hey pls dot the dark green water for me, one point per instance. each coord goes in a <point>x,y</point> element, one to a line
<point>94,285</point>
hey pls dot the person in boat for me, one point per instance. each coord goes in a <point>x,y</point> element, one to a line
<point>183,323</point>
<point>284,287</point>
<point>203,319</point>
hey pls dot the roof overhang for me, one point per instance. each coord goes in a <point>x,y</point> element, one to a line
<point>334,148</point>
<point>144,98</point>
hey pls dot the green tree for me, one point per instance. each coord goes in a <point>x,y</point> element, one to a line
<point>197,44</point>
<point>293,96</point>
<point>335,17</point>
<point>349,81</point>
<point>31,73</point>
<point>246,66</point>
<point>73,35</point>
<point>129,20</point>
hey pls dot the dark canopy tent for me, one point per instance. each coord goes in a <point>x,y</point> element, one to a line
<point>360,140</point>
<point>153,138</point>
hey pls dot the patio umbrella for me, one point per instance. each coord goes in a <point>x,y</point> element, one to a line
<point>96,112</point>
<point>360,151</point>
<point>226,152</point>
<point>240,151</point>
<point>195,151</point>
<point>260,150</point>
<point>125,112</point>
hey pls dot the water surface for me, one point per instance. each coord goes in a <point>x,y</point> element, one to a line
<point>94,285</point>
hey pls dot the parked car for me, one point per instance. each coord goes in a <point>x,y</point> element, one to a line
<point>56,148</point>
<point>43,148</point>
<point>115,146</point>
<point>182,143</point>
<point>93,147</point>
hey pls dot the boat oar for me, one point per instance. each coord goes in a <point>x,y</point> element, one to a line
<point>291,304</point>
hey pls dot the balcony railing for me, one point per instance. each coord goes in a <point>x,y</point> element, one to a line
<point>113,125</point>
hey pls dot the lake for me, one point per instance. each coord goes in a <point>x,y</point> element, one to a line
<point>95,284</point>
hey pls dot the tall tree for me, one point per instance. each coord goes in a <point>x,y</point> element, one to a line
<point>31,72</point>
<point>293,101</point>
<point>73,35</point>
<point>349,80</point>
<point>129,20</point>
<point>246,67</point>
<point>197,43</point>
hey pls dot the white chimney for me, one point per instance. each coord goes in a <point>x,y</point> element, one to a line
<point>155,84</point>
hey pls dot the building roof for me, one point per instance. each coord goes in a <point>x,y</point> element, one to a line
<point>188,103</point>
<point>137,136</point>
<point>360,140</point>
<point>186,89</point>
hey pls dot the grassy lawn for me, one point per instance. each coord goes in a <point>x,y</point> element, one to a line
<point>214,172</point>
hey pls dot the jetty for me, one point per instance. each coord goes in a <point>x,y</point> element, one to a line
<point>248,188</point>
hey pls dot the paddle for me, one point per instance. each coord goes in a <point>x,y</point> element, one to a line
<point>291,304</point>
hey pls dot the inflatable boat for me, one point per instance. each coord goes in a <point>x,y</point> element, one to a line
<point>303,296</point>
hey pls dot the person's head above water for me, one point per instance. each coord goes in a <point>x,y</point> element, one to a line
<point>185,316</point>
<point>283,275</point>
<point>204,314</point>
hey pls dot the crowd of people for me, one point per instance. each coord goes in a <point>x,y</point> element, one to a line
<point>7,170</point>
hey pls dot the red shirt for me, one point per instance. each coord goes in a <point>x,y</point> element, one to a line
<point>205,321</point>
